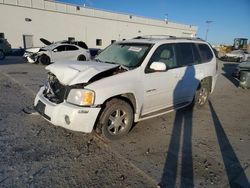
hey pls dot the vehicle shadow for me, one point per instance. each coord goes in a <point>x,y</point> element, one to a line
<point>11,60</point>
<point>182,131</point>
<point>182,122</point>
<point>234,170</point>
<point>228,69</point>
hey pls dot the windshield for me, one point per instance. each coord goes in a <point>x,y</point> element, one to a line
<point>127,54</point>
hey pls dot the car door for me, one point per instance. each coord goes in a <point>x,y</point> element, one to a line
<point>59,53</point>
<point>161,89</point>
<point>72,52</point>
<point>188,59</point>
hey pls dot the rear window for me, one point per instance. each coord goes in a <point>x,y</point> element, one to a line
<point>205,53</point>
<point>82,45</point>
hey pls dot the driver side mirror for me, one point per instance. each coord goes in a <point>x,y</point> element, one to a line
<point>158,67</point>
<point>55,50</point>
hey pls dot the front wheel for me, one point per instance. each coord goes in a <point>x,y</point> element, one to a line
<point>44,60</point>
<point>201,95</point>
<point>116,119</point>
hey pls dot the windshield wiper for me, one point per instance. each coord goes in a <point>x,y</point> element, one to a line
<point>124,67</point>
<point>110,62</point>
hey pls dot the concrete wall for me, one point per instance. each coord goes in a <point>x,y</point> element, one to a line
<point>58,21</point>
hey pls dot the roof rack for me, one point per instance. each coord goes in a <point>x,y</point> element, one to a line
<point>154,37</point>
<point>167,37</point>
<point>191,38</point>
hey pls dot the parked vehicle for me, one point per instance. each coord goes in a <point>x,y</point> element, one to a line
<point>5,48</point>
<point>127,82</point>
<point>240,44</point>
<point>237,55</point>
<point>242,73</point>
<point>59,51</point>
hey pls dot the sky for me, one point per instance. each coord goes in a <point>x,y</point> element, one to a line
<point>230,18</point>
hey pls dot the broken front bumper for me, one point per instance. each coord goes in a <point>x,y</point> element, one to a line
<point>66,115</point>
<point>31,58</point>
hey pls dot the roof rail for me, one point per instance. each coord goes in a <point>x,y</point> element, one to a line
<point>154,37</point>
<point>167,37</point>
<point>191,38</point>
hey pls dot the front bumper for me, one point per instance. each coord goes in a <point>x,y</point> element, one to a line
<point>31,58</point>
<point>66,115</point>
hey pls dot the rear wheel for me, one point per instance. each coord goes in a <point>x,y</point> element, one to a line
<point>116,119</point>
<point>2,56</point>
<point>81,58</point>
<point>44,59</point>
<point>201,95</point>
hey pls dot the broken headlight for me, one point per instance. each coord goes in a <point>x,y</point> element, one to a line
<point>81,97</point>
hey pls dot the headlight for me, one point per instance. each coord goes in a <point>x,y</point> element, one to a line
<point>82,97</point>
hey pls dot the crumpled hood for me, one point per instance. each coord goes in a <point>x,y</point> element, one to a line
<point>75,72</point>
<point>33,50</point>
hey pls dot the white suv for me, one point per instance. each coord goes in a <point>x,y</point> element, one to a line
<point>129,81</point>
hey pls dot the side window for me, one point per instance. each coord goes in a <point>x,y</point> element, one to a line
<point>205,53</point>
<point>164,54</point>
<point>82,45</point>
<point>197,58</point>
<point>185,54</point>
<point>61,48</point>
<point>71,48</point>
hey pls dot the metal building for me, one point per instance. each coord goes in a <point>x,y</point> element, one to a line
<point>24,22</point>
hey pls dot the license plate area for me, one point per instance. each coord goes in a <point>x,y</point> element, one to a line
<point>40,108</point>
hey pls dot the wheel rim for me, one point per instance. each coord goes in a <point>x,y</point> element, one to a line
<point>118,121</point>
<point>202,97</point>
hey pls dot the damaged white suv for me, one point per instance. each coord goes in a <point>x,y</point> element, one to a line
<point>129,81</point>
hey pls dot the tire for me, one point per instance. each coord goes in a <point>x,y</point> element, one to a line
<point>81,58</point>
<point>116,119</point>
<point>201,95</point>
<point>44,60</point>
<point>2,55</point>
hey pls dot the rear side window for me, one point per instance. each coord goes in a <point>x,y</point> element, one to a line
<point>185,54</point>
<point>71,48</point>
<point>205,53</point>
<point>61,48</point>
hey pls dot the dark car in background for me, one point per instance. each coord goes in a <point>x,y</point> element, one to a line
<point>5,48</point>
<point>242,73</point>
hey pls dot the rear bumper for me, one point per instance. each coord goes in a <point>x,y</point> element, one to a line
<point>66,115</point>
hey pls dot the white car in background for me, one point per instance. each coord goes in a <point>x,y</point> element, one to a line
<point>237,55</point>
<point>60,51</point>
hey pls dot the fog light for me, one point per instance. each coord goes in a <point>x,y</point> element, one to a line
<point>67,120</point>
